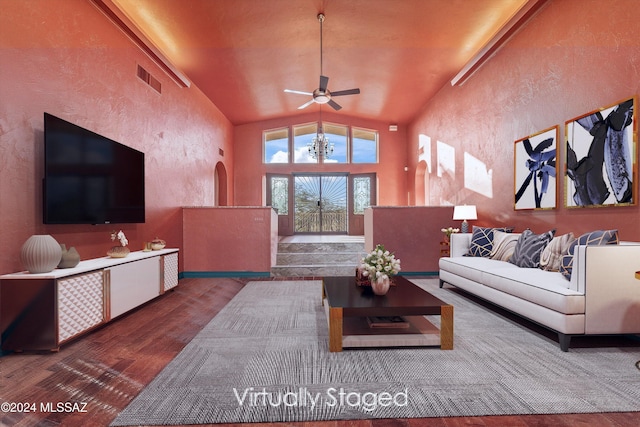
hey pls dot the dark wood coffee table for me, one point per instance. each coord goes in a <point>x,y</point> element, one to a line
<point>348,306</point>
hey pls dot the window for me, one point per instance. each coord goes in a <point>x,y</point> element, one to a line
<point>337,136</point>
<point>361,194</point>
<point>364,146</point>
<point>276,146</point>
<point>280,194</point>
<point>361,147</point>
<point>302,136</point>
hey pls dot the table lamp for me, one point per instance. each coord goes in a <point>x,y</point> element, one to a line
<point>463,213</point>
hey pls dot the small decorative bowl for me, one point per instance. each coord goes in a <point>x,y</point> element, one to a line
<point>158,244</point>
<point>118,252</point>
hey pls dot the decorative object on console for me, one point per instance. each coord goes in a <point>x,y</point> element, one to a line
<point>157,244</point>
<point>379,266</point>
<point>535,170</point>
<point>600,165</point>
<point>119,251</point>
<point>463,213</point>
<point>70,258</point>
<point>41,253</point>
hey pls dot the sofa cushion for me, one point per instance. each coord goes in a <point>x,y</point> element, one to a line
<point>482,240</point>
<point>551,256</point>
<point>545,288</point>
<point>503,245</point>
<point>529,247</point>
<point>598,237</point>
<point>471,268</point>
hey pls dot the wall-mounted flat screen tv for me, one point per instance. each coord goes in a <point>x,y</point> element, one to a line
<point>90,179</point>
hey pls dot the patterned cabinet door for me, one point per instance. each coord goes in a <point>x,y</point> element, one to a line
<point>80,304</point>
<point>170,271</point>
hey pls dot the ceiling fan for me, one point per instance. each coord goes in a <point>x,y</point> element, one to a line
<point>321,95</point>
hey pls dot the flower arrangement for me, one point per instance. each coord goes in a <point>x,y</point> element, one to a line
<point>120,236</point>
<point>379,264</point>
<point>449,231</point>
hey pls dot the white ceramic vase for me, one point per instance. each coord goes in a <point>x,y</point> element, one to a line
<point>41,253</point>
<point>380,286</point>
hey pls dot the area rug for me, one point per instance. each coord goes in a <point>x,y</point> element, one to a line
<point>265,358</point>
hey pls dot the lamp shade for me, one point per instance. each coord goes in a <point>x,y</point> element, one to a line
<point>464,212</point>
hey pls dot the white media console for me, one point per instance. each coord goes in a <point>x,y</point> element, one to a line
<point>43,311</point>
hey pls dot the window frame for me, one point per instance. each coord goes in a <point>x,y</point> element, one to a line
<point>285,129</point>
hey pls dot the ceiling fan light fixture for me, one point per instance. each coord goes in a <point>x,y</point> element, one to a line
<point>321,97</point>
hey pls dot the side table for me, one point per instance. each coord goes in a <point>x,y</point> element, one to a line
<point>444,248</point>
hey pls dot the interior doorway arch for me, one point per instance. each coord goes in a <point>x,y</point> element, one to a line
<point>220,185</point>
<point>422,184</point>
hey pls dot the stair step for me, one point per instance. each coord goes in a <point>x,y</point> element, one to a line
<point>313,270</point>
<point>317,259</point>
<point>321,247</point>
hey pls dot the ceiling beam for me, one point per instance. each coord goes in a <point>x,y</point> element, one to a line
<point>129,28</point>
<point>507,31</point>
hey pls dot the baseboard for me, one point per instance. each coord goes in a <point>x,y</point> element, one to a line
<point>213,274</point>
<point>419,273</point>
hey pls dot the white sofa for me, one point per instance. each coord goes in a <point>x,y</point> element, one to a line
<point>602,297</point>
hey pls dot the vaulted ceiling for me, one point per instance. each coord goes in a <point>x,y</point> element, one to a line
<point>243,53</point>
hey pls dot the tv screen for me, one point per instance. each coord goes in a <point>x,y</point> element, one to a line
<point>90,179</point>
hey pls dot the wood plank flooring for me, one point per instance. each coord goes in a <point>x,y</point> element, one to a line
<point>103,371</point>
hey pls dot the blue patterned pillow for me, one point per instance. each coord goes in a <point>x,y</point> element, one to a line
<point>482,240</point>
<point>529,247</point>
<point>596,238</point>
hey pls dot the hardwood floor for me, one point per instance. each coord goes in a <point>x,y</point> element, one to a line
<point>103,371</point>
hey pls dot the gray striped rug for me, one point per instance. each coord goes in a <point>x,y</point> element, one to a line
<point>265,358</point>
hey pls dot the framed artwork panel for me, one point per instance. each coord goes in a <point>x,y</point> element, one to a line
<point>601,166</point>
<point>535,170</point>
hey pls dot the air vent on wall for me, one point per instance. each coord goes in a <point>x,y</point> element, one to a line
<point>146,77</point>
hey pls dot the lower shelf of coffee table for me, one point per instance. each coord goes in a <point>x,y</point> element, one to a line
<point>356,332</point>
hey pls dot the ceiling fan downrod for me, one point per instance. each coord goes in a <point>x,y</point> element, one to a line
<point>321,20</point>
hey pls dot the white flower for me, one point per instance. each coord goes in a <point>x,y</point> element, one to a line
<point>380,263</point>
<point>449,231</point>
<point>120,236</point>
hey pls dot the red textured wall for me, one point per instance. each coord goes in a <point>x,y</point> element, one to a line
<point>66,58</point>
<point>230,239</point>
<point>573,57</point>
<point>250,169</point>
<point>412,233</point>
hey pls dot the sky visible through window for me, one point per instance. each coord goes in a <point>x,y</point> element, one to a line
<point>364,149</point>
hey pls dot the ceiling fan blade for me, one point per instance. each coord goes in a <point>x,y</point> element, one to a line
<point>306,104</point>
<point>334,105</point>
<point>346,92</point>
<point>324,81</point>
<point>299,92</point>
